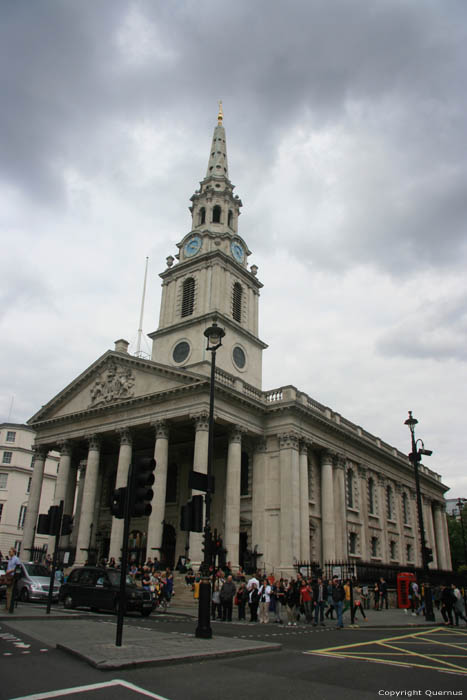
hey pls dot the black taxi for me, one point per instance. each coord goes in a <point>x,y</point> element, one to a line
<point>99,589</point>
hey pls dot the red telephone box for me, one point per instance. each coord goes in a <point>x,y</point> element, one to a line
<point>404,580</point>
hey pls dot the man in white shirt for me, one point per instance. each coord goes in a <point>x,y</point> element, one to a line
<point>251,581</point>
<point>13,562</point>
<point>264,600</point>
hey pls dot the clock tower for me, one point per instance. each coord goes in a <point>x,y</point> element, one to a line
<point>211,279</point>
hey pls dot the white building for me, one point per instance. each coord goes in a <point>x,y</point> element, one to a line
<point>16,470</point>
<point>294,478</point>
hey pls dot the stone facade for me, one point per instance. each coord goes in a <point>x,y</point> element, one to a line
<point>294,479</point>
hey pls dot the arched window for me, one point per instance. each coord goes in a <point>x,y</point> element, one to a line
<point>371,495</point>
<point>216,214</point>
<point>230,219</point>
<point>202,216</point>
<point>405,508</point>
<point>188,297</point>
<point>389,503</point>
<point>350,483</point>
<point>237,301</point>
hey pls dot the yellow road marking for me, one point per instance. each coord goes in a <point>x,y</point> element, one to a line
<point>387,639</point>
<point>391,663</point>
<point>446,644</point>
<point>425,656</point>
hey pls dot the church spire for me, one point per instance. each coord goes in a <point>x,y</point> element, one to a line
<point>217,165</point>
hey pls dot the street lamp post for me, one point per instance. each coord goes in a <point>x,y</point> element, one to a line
<point>460,505</point>
<point>214,335</point>
<point>415,457</point>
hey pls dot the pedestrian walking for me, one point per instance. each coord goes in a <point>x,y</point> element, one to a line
<point>358,603</point>
<point>383,594</point>
<point>227,595</point>
<point>253,602</point>
<point>319,601</point>
<point>264,600</point>
<point>338,597</point>
<point>13,562</point>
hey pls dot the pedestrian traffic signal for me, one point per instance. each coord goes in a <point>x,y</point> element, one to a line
<point>185,517</point>
<point>67,524</point>
<point>141,494</point>
<point>428,555</point>
<point>49,524</point>
<point>43,524</point>
<point>197,513</point>
<point>117,507</point>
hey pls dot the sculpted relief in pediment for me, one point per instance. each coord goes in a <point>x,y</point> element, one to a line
<point>115,383</point>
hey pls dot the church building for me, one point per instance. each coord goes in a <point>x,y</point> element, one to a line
<point>294,480</point>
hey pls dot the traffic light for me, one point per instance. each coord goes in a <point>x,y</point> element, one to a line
<point>141,493</point>
<point>42,524</point>
<point>185,517</point>
<point>117,507</point>
<point>50,524</point>
<point>67,524</point>
<point>197,513</point>
<point>428,555</point>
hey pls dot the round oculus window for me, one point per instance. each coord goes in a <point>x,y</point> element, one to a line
<point>181,351</point>
<point>239,357</point>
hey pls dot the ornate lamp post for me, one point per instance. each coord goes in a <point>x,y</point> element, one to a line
<point>214,335</point>
<point>460,506</point>
<point>415,457</point>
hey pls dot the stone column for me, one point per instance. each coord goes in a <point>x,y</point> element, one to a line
<point>61,485</point>
<point>258,506</point>
<point>447,544</point>
<point>327,508</point>
<point>232,496</point>
<point>383,518</point>
<point>364,549</point>
<point>79,502</point>
<point>200,464</point>
<point>439,536</point>
<point>32,511</point>
<point>340,509</point>
<point>124,460</point>
<point>156,519</point>
<point>304,503</point>
<point>89,497</point>
<point>290,501</point>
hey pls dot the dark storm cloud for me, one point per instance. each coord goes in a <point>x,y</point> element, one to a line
<point>65,82</point>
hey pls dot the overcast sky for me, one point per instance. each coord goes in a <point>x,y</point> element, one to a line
<point>346,133</point>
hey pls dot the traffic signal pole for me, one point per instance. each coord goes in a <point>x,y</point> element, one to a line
<point>124,561</point>
<point>57,531</point>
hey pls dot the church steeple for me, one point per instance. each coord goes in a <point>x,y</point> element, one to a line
<point>214,204</point>
<point>217,165</point>
<point>211,278</point>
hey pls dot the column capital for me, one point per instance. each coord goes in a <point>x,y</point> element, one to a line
<point>40,451</point>
<point>381,479</point>
<point>235,433</point>
<point>439,505</point>
<point>201,421</point>
<point>65,448</point>
<point>161,428</point>
<point>126,437</point>
<point>412,493</point>
<point>288,440</point>
<point>398,487</point>
<point>304,445</point>
<point>426,500</point>
<point>94,442</point>
<point>340,461</point>
<point>327,457</point>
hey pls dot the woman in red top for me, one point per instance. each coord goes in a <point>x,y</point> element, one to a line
<point>306,598</point>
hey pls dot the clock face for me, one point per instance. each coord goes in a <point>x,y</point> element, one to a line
<point>237,251</point>
<point>192,246</point>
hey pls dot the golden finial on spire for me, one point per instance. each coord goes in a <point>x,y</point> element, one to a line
<point>220,115</point>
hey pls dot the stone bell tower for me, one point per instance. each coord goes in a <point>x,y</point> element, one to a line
<point>211,279</point>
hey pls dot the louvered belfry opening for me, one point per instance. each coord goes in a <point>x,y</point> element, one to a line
<point>237,302</point>
<point>188,298</point>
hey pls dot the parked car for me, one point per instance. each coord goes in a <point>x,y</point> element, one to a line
<point>99,589</point>
<point>34,582</point>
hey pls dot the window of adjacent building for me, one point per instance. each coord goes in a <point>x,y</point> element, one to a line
<point>244,474</point>
<point>393,550</point>
<point>10,436</point>
<point>7,457</point>
<point>21,517</point>
<point>216,214</point>
<point>405,508</point>
<point>409,550</point>
<point>374,546</point>
<point>3,481</point>
<point>17,547</point>
<point>188,296</point>
<point>28,489</point>
<point>371,496</point>
<point>237,301</point>
<point>33,459</point>
<point>171,488</point>
<point>350,486</point>
<point>353,543</point>
<point>389,503</point>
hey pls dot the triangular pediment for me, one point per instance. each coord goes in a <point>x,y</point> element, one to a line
<point>114,378</point>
